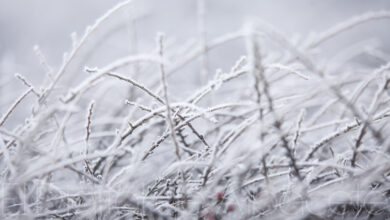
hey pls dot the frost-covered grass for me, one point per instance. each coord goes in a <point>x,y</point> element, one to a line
<point>284,133</point>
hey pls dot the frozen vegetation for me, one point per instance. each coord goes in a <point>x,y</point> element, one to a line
<point>281,130</point>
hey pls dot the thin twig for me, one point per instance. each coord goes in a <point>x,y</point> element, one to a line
<point>160,39</point>
<point>12,108</point>
<point>88,132</point>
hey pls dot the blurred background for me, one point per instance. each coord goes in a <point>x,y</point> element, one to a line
<point>49,25</point>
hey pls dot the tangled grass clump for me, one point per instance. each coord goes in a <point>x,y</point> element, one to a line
<point>285,133</point>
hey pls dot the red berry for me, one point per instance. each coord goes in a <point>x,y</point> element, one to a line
<point>219,196</point>
<point>209,216</point>
<point>230,208</point>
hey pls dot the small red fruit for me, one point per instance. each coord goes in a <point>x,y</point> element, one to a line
<point>209,216</point>
<point>230,208</point>
<point>220,196</point>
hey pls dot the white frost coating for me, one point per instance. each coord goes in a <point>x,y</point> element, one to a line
<point>111,67</point>
<point>345,26</point>
<point>288,69</point>
<point>283,130</point>
<point>77,45</point>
